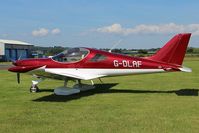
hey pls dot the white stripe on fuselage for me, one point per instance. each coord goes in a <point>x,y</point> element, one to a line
<point>88,73</point>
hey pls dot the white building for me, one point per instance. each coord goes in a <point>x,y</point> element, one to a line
<point>12,49</point>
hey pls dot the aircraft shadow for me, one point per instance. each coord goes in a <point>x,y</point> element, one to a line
<point>46,90</point>
<point>106,88</point>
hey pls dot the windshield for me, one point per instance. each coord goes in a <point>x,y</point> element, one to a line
<point>71,55</point>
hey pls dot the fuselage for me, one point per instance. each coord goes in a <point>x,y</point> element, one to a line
<point>95,63</point>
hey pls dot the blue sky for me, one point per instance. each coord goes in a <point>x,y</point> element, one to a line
<point>100,24</point>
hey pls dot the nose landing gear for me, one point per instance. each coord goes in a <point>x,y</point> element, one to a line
<point>34,88</point>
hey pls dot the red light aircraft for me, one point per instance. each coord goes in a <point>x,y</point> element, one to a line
<point>87,64</point>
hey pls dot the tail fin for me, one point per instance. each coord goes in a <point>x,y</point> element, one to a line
<point>174,50</point>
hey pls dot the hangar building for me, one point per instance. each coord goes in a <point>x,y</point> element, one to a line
<point>12,49</point>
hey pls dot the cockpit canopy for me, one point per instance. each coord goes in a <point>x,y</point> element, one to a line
<point>71,55</point>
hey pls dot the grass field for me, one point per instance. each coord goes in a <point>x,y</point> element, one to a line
<point>167,102</point>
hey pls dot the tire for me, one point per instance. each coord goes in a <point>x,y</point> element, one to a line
<point>34,89</point>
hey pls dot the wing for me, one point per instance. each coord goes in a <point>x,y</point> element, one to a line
<point>84,74</point>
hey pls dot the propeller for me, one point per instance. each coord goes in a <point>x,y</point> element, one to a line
<point>20,57</point>
<point>18,78</point>
<point>12,60</point>
<point>15,60</point>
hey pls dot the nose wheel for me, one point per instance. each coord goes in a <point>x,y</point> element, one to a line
<point>34,88</point>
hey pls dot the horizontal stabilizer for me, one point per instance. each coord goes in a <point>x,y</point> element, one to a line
<point>185,69</point>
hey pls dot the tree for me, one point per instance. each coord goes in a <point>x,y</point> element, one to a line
<point>190,50</point>
<point>142,51</point>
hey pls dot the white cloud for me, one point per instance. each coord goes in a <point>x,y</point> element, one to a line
<point>55,31</point>
<point>44,32</point>
<point>115,28</point>
<point>40,32</point>
<point>151,29</point>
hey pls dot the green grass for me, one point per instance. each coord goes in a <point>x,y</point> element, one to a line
<point>6,63</point>
<point>165,102</point>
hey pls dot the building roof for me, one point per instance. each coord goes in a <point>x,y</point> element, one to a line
<point>14,42</point>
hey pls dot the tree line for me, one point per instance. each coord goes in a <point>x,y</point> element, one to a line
<point>49,51</point>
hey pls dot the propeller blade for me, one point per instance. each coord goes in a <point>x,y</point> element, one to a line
<point>19,57</point>
<point>12,60</point>
<point>18,78</point>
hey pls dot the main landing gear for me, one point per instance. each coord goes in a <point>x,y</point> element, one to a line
<point>64,90</point>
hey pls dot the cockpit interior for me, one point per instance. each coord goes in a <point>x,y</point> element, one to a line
<point>71,55</point>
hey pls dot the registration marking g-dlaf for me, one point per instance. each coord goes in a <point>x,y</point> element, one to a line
<point>127,64</point>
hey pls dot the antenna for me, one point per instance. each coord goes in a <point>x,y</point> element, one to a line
<point>117,43</point>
